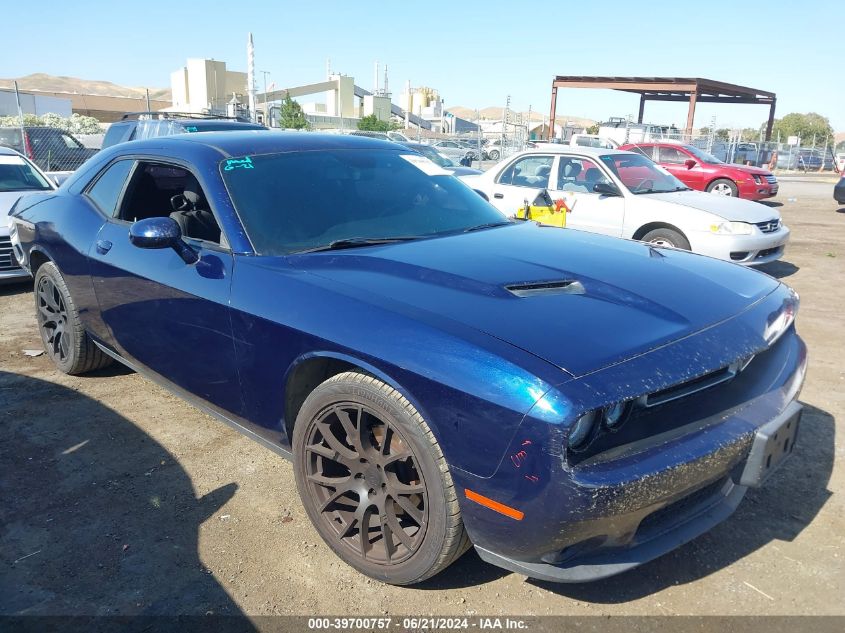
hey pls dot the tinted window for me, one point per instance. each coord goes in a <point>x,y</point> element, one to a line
<point>18,175</point>
<point>10,137</point>
<point>106,191</point>
<point>117,133</point>
<point>295,201</point>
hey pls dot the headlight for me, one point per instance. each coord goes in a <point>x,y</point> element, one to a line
<point>732,228</point>
<point>614,415</point>
<point>780,321</point>
<point>758,179</point>
<point>582,430</point>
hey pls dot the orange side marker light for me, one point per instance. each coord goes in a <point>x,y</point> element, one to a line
<point>501,508</point>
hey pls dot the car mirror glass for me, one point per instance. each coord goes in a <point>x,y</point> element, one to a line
<point>690,163</point>
<point>606,189</point>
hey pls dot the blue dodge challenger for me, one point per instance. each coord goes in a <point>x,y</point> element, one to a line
<point>569,404</point>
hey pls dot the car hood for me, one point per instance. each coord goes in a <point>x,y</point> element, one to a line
<point>615,299</point>
<point>748,169</point>
<point>727,207</point>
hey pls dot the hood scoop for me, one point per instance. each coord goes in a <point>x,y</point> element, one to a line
<point>559,287</point>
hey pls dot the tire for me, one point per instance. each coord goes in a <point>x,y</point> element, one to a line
<point>412,495</point>
<point>65,340</point>
<point>493,154</point>
<point>723,187</point>
<point>666,237</point>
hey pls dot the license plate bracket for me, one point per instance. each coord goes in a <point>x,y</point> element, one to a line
<point>773,443</point>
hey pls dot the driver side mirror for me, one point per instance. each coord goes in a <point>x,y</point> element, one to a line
<point>161,233</point>
<point>690,163</point>
<point>606,189</point>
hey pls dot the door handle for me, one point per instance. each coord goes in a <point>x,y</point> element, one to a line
<point>103,246</point>
<point>498,196</point>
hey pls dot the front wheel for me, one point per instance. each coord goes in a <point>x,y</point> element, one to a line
<point>723,187</point>
<point>493,154</point>
<point>374,481</point>
<point>65,339</point>
<point>667,237</point>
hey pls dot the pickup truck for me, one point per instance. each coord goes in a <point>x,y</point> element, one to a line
<point>52,149</point>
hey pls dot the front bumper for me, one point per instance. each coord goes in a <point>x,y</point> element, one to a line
<point>758,191</point>
<point>616,509</point>
<point>748,250</point>
<point>10,269</point>
<point>672,524</point>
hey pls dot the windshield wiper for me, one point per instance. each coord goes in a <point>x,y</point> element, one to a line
<point>489,225</point>
<point>357,242</point>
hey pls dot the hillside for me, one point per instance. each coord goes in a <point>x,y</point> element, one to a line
<point>51,83</point>
<point>496,113</point>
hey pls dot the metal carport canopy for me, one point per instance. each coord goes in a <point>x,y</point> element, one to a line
<point>691,89</point>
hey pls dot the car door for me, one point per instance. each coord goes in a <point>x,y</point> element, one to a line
<point>163,314</point>
<point>589,211</point>
<point>520,180</point>
<point>674,160</point>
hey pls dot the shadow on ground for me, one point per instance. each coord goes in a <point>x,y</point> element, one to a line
<point>16,288</point>
<point>97,518</point>
<point>779,269</point>
<point>771,203</point>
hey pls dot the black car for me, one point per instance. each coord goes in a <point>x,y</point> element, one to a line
<point>141,125</point>
<point>839,190</point>
<point>52,149</point>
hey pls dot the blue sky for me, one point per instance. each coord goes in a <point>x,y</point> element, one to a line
<point>474,53</point>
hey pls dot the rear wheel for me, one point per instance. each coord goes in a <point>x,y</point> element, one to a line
<point>667,237</point>
<point>723,187</point>
<point>374,482</point>
<point>493,154</point>
<point>65,340</point>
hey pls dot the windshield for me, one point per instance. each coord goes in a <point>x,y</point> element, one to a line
<point>702,156</point>
<point>433,155</point>
<point>18,175</point>
<point>641,175</point>
<point>298,201</point>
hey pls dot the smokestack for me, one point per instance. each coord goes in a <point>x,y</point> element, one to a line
<point>250,75</point>
<point>386,91</point>
<point>375,80</point>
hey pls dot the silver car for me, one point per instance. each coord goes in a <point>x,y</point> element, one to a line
<point>624,194</point>
<point>18,176</point>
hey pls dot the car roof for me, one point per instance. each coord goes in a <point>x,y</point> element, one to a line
<point>261,142</point>
<point>556,148</point>
<point>8,151</point>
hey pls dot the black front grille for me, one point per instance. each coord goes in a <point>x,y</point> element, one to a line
<point>767,252</point>
<point>769,226</point>
<point>675,512</point>
<point>7,258</point>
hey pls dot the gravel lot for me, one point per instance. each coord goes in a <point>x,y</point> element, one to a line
<point>117,498</point>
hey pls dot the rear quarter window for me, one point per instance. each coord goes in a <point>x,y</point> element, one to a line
<point>106,190</point>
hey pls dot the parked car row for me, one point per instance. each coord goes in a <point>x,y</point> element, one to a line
<point>703,172</point>
<point>625,194</point>
<point>570,404</point>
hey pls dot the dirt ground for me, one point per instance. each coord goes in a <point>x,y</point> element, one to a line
<point>117,498</point>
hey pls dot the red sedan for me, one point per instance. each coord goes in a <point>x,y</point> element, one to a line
<point>699,170</point>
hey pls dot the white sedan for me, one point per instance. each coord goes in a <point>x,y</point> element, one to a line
<point>624,194</point>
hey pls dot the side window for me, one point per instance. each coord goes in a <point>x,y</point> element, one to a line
<point>529,171</point>
<point>645,150</point>
<point>671,156</point>
<point>158,190</point>
<point>105,192</point>
<point>579,174</point>
<point>70,142</point>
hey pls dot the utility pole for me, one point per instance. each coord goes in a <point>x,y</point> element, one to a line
<point>266,117</point>
<point>505,123</point>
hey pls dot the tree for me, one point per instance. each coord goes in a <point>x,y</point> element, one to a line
<point>291,116</point>
<point>75,124</point>
<point>372,123</point>
<point>807,126</point>
<point>593,129</point>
